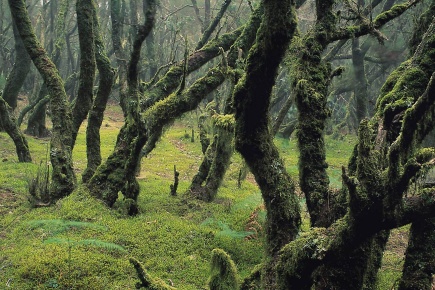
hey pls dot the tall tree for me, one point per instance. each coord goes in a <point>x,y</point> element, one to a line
<point>63,178</point>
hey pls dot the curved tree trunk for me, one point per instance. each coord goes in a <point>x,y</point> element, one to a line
<point>10,126</point>
<point>83,102</point>
<point>62,179</point>
<point>17,76</point>
<point>96,114</point>
<point>253,138</point>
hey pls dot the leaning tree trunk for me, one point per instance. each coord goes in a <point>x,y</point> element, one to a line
<point>10,126</point>
<point>83,102</point>
<point>217,157</point>
<point>17,76</point>
<point>107,75</point>
<point>62,179</point>
<point>253,138</point>
<point>36,125</point>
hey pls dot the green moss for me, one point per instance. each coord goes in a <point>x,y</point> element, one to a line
<point>394,12</point>
<point>224,121</point>
<point>223,272</point>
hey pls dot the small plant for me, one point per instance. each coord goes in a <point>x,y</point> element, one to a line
<point>39,185</point>
<point>56,227</point>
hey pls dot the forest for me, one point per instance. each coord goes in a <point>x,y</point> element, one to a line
<point>217,144</point>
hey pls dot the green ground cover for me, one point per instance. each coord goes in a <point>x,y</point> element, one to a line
<point>81,244</point>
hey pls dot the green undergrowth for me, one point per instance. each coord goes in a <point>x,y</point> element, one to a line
<point>172,236</point>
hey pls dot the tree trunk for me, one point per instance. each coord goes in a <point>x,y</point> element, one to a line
<point>10,126</point>
<point>253,138</point>
<point>96,114</point>
<point>36,123</point>
<point>62,179</point>
<point>17,76</point>
<point>83,102</point>
<point>419,265</point>
<point>360,89</point>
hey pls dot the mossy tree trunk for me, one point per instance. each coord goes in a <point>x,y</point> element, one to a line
<point>215,163</point>
<point>96,114</point>
<point>36,122</point>
<point>111,177</point>
<point>419,266</point>
<point>62,179</point>
<point>253,138</point>
<point>17,76</point>
<point>118,173</point>
<point>85,95</point>
<point>360,89</point>
<point>11,128</point>
<point>36,125</point>
<point>377,188</point>
<point>121,57</point>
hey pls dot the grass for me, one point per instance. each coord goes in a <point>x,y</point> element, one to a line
<point>172,237</point>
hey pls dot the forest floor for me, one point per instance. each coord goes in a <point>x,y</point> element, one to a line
<point>79,243</point>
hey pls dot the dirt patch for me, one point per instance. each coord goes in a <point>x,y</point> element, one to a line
<point>9,201</point>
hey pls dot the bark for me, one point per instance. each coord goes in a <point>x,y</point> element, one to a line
<point>170,81</point>
<point>217,158</point>
<point>11,128</point>
<point>311,81</point>
<point>376,203</point>
<point>419,266</point>
<point>282,113</point>
<point>360,89</point>
<point>253,139</point>
<point>36,123</point>
<point>17,76</point>
<point>118,173</point>
<point>84,100</point>
<point>121,58</point>
<point>96,114</point>
<point>62,179</point>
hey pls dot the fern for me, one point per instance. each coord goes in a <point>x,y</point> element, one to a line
<point>60,226</point>
<point>87,242</point>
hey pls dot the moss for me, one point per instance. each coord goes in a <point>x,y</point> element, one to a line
<point>224,121</point>
<point>223,272</point>
<point>146,280</point>
<point>394,12</point>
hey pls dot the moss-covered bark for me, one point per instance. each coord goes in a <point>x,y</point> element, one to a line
<point>85,95</point>
<point>11,128</point>
<point>63,179</point>
<point>170,81</point>
<point>121,57</point>
<point>360,88</point>
<point>37,119</point>
<point>17,76</point>
<point>253,139</point>
<point>419,266</point>
<point>118,172</point>
<point>348,252</point>
<point>146,280</point>
<point>223,272</point>
<point>217,158</point>
<point>95,119</point>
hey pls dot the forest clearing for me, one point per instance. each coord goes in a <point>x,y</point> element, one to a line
<point>172,236</point>
<point>217,144</point>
